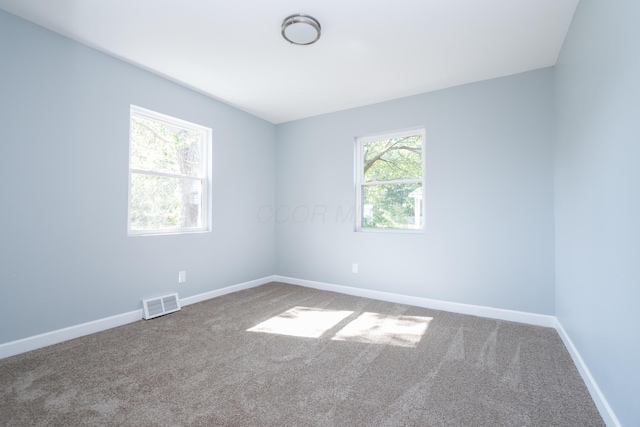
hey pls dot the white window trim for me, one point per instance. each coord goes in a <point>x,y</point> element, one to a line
<point>359,179</point>
<point>205,179</point>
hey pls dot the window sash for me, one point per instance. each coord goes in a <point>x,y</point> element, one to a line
<point>166,175</point>
<point>202,177</point>
<point>393,181</point>
<point>361,184</point>
<point>184,207</point>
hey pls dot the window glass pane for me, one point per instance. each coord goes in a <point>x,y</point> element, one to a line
<point>160,147</point>
<point>395,206</point>
<point>394,158</point>
<point>161,203</point>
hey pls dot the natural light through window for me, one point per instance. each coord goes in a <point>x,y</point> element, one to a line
<point>302,322</point>
<point>390,171</point>
<point>377,328</point>
<point>368,328</point>
<point>169,175</point>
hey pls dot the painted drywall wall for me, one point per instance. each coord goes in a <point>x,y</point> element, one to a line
<point>597,180</point>
<point>489,197</point>
<point>65,257</point>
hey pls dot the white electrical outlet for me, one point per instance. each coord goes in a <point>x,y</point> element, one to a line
<point>182,276</point>
<point>354,268</point>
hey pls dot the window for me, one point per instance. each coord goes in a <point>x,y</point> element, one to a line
<point>389,181</point>
<point>169,174</point>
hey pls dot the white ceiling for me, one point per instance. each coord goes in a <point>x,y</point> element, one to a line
<point>370,51</point>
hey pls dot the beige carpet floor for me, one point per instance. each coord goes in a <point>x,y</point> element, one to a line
<point>283,355</point>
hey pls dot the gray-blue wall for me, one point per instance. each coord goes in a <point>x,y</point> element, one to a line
<point>65,257</point>
<point>489,197</point>
<point>598,196</point>
<point>283,195</point>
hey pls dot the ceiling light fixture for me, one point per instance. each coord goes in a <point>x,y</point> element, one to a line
<point>300,29</point>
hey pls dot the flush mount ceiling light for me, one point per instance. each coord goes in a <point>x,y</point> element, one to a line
<point>300,29</point>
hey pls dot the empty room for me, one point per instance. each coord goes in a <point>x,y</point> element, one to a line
<point>413,213</point>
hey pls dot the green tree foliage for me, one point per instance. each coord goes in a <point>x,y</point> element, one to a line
<point>392,171</point>
<point>165,200</point>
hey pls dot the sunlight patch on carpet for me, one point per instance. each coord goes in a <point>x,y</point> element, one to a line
<point>368,328</point>
<point>377,328</point>
<point>304,322</point>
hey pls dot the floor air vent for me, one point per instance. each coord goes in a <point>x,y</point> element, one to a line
<point>159,306</point>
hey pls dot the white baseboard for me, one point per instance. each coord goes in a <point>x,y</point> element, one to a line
<point>229,289</point>
<point>474,310</point>
<point>13,348</point>
<point>54,337</point>
<point>596,394</point>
